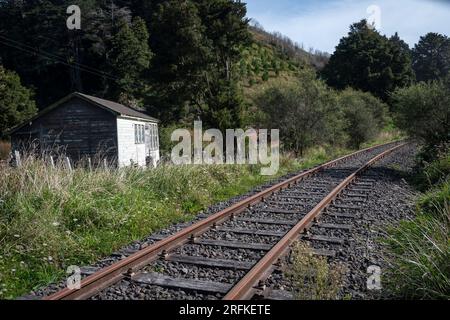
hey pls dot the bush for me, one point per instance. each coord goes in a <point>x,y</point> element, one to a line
<point>305,111</point>
<point>434,173</point>
<point>16,104</point>
<point>365,116</point>
<point>423,110</point>
<point>313,278</point>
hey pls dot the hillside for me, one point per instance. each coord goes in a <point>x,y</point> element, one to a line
<point>274,56</point>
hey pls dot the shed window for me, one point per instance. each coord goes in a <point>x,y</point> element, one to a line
<point>139,133</point>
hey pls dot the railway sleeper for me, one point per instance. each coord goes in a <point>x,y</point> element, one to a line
<point>343,215</point>
<point>161,280</point>
<point>234,244</point>
<point>345,227</point>
<point>322,238</point>
<point>267,221</point>
<point>280,211</point>
<point>210,262</point>
<point>267,233</point>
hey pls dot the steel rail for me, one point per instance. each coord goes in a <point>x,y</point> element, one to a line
<point>107,276</point>
<point>248,285</point>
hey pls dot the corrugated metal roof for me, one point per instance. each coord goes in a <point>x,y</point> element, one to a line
<point>117,107</point>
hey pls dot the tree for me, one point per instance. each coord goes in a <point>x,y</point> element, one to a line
<point>180,52</point>
<point>370,62</point>
<point>431,57</point>
<point>36,43</point>
<point>129,57</point>
<point>16,104</point>
<point>225,34</point>
<point>306,112</point>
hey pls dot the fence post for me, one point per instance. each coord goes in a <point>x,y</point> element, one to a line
<point>105,164</point>
<point>69,166</point>
<point>52,162</point>
<point>17,158</point>
<point>89,164</point>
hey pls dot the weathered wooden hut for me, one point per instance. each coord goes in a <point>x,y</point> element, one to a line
<point>86,127</point>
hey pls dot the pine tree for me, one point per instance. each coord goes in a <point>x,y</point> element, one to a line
<point>431,57</point>
<point>129,57</point>
<point>368,61</point>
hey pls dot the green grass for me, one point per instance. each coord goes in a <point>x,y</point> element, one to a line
<point>418,250</point>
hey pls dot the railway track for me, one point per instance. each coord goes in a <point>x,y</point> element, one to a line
<point>232,254</point>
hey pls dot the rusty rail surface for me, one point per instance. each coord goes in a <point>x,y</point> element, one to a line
<point>247,286</point>
<point>106,277</point>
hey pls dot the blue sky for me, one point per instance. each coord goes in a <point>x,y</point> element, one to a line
<point>320,24</point>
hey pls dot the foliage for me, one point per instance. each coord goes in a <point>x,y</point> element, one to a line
<point>16,101</point>
<point>193,45</point>
<point>423,111</point>
<point>433,167</point>
<point>419,250</point>
<point>364,116</point>
<point>129,57</point>
<point>312,276</point>
<point>306,112</point>
<point>368,61</point>
<point>431,57</point>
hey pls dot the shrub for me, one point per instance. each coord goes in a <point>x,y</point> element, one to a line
<point>423,111</point>
<point>305,111</point>
<point>365,116</point>
<point>312,276</point>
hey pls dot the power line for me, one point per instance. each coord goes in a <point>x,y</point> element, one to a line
<point>42,53</point>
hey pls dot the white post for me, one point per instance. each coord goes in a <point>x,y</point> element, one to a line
<point>89,164</point>
<point>17,158</point>
<point>69,166</point>
<point>105,164</point>
<point>52,162</point>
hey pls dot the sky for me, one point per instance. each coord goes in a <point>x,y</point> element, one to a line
<point>322,23</point>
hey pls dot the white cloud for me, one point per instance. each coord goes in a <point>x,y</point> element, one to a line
<point>322,25</point>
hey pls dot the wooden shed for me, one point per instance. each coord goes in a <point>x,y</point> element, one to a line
<point>86,127</point>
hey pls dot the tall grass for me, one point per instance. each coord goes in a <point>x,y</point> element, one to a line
<point>418,250</point>
<point>419,265</point>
